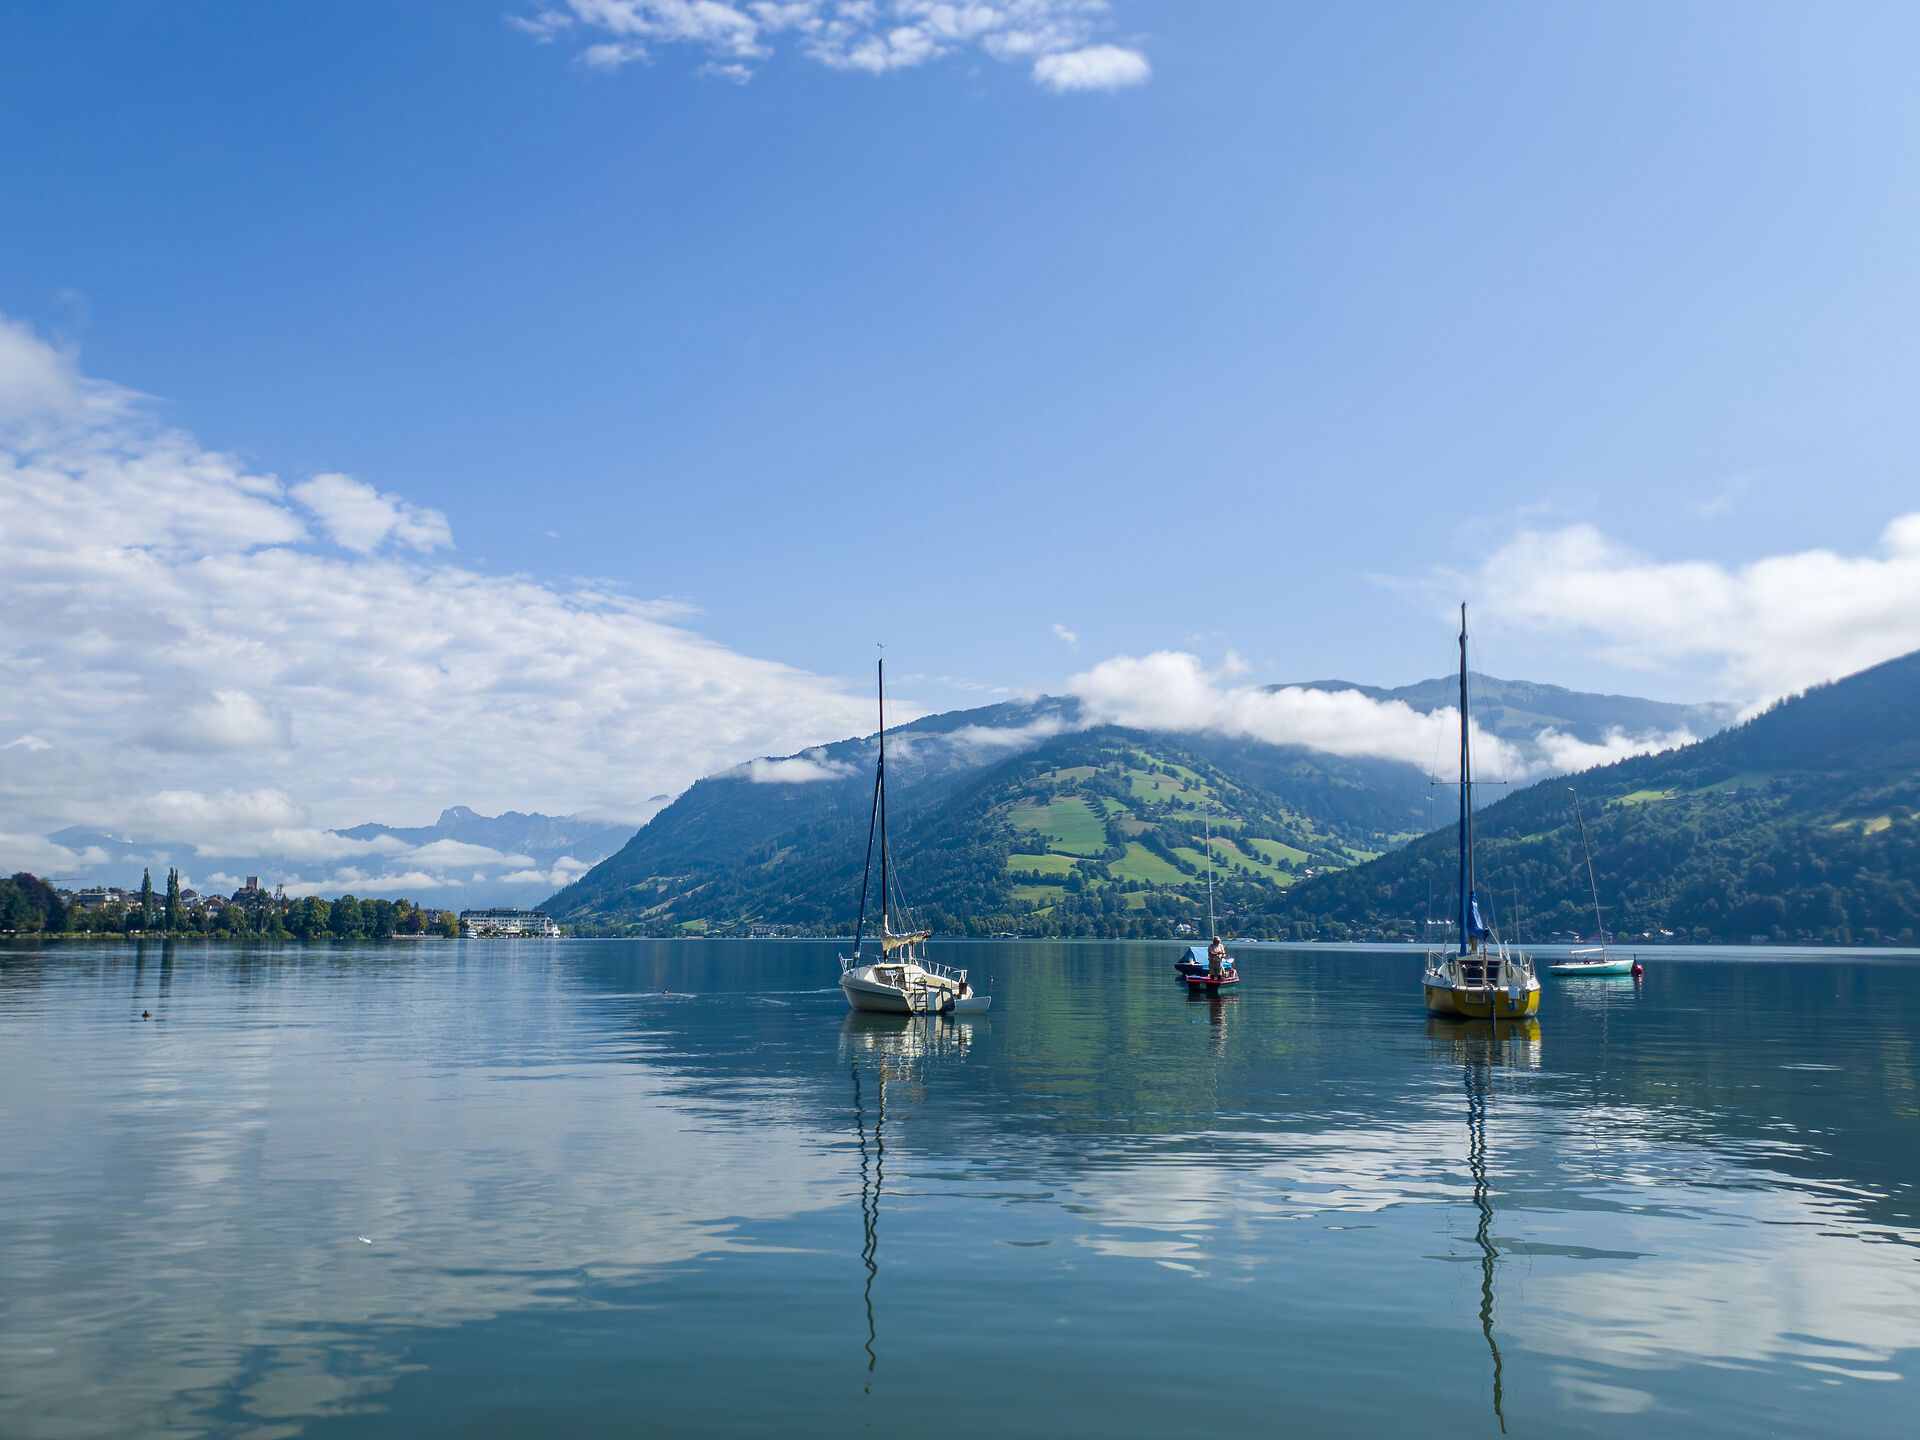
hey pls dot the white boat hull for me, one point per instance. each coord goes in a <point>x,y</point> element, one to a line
<point>910,989</point>
<point>882,999</point>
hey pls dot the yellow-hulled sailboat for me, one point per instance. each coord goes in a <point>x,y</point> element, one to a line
<point>1485,978</point>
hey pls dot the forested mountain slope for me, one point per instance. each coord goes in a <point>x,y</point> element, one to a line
<point>1013,819</point>
<point>1089,832</point>
<point>1798,825</point>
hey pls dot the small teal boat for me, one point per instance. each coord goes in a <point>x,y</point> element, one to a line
<point>1604,964</point>
<point>1598,961</point>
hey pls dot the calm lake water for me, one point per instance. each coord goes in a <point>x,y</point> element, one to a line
<point>611,1188</point>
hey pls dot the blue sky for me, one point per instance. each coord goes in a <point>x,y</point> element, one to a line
<point>1329,317</point>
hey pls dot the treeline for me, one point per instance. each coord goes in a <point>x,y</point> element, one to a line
<point>28,905</point>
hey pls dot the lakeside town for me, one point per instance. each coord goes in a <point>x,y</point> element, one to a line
<point>29,905</point>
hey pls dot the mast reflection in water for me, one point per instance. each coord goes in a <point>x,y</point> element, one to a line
<point>1478,1047</point>
<point>893,1049</point>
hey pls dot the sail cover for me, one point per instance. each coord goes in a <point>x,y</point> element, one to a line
<point>891,943</point>
<point>1476,927</point>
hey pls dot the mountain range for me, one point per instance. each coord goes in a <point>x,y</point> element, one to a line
<point>1022,818</point>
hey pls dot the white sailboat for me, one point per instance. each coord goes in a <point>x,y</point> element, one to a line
<point>900,980</point>
<point>1487,978</point>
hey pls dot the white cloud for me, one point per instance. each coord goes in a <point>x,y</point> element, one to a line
<point>41,856</point>
<point>1760,630</point>
<point>459,852</point>
<point>1010,737</point>
<point>209,674</point>
<point>796,770</point>
<point>1072,640</point>
<point>563,873</point>
<point>360,518</point>
<point>1568,753</point>
<point>225,720</point>
<point>876,36</point>
<point>1096,67</point>
<point>27,742</point>
<point>1173,690</point>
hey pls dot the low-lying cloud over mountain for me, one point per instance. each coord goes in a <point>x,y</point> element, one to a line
<point>1173,691</point>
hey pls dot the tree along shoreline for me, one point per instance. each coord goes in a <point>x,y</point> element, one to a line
<point>30,906</point>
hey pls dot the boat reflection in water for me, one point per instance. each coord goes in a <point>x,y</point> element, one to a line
<point>885,1052</point>
<point>1218,1008</point>
<point>1481,1048</point>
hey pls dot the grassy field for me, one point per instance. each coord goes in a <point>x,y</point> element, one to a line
<point>1160,788</point>
<point>1070,825</point>
<point>1041,864</point>
<point>1243,853</point>
<point>1143,865</point>
<point>1273,852</point>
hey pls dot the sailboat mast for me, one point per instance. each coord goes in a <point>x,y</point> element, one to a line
<point>1466,802</point>
<point>1599,925</point>
<point>881,691</point>
<point>1213,930</point>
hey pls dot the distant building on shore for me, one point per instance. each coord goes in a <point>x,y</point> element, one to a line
<point>503,921</point>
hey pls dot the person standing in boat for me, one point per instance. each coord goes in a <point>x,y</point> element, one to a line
<point>1216,959</point>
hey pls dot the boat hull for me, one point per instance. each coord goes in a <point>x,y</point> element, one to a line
<point>1597,967</point>
<point>879,999</point>
<point>1482,1002</point>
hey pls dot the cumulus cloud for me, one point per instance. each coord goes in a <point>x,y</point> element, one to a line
<point>226,720</point>
<point>42,856</point>
<point>361,519</point>
<point>1760,631</point>
<point>1095,67</point>
<point>182,654</point>
<point>1067,637</point>
<point>1054,37</point>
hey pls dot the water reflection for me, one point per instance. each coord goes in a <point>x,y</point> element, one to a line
<point>890,1049</point>
<point>1708,1196</point>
